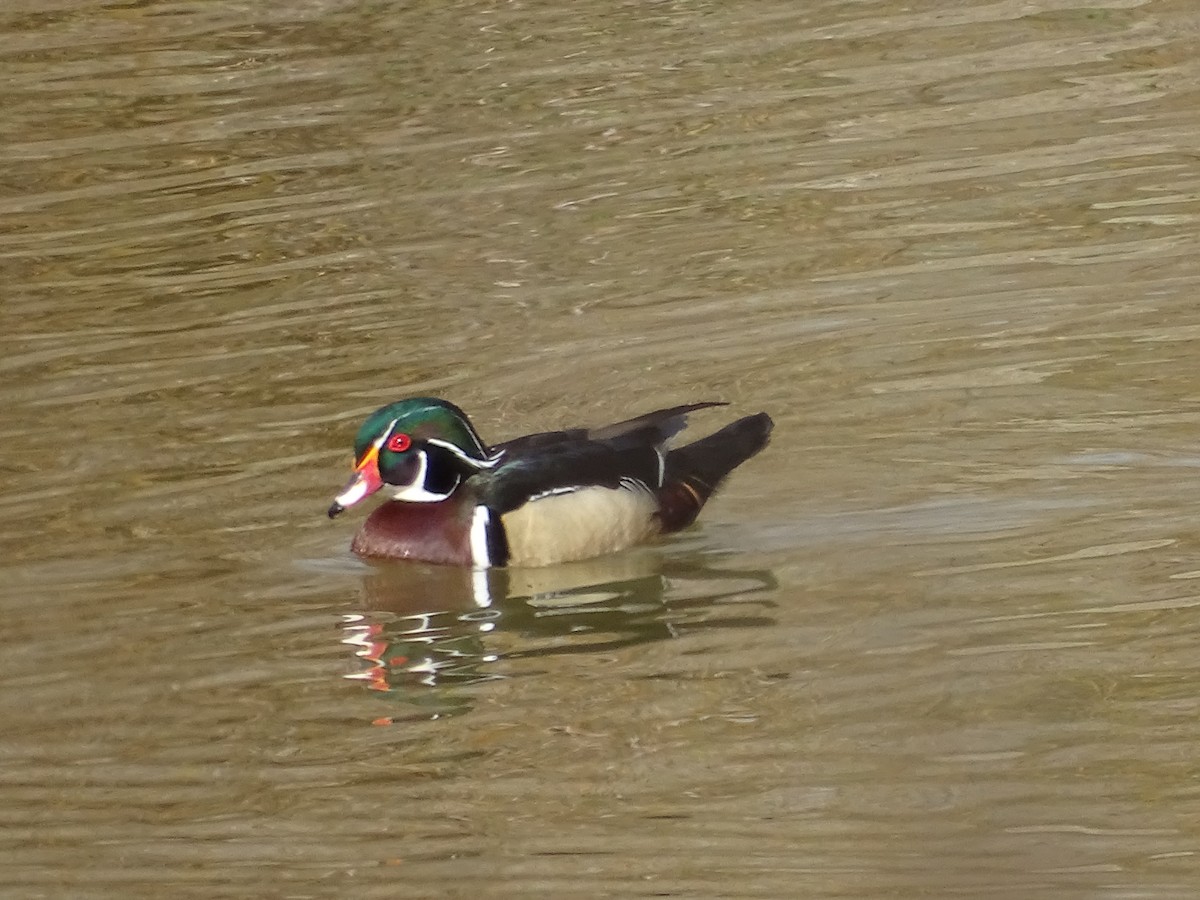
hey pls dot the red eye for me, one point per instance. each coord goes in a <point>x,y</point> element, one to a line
<point>398,443</point>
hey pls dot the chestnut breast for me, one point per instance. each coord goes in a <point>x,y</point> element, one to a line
<point>432,532</point>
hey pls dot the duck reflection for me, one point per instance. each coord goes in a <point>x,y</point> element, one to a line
<point>441,628</point>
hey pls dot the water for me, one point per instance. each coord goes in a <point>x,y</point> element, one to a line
<point>937,641</point>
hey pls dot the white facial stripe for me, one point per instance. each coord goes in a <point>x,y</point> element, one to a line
<point>387,433</point>
<point>481,519</point>
<point>458,451</point>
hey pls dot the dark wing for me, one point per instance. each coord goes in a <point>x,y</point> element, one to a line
<point>568,465</point>
<point>575,458</point>
<point>695,471</point>
<point>531,443</point>
<point>665,424</point>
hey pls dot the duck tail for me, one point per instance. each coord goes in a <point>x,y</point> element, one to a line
<point>695,471</point>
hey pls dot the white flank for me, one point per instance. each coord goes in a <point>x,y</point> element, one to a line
<point>560,527</point>
<point>481,518</point>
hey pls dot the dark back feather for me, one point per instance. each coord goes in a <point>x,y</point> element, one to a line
<point>579,457</point>
<point>695,471</point>
<point>567,465</point>
<point>666,423</point>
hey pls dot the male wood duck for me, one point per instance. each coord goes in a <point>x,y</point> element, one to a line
<point>535,500</point>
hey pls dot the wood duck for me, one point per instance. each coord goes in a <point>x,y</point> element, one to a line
<point>535,500</point>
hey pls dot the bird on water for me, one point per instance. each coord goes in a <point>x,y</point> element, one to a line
<point>536,500</point>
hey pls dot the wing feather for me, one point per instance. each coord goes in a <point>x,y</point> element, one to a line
<point>626,454</point>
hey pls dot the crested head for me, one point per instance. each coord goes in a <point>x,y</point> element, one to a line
<point>419,450</point>
<point>422,419</point>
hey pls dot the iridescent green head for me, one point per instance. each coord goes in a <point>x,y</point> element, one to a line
<point>420,449</point>
<point>421,418</point>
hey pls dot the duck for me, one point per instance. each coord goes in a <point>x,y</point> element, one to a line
<point>536,500</point>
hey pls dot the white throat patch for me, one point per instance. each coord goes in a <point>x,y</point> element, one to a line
<point>415,492</point>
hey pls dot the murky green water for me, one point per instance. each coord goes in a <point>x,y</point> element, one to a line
<point>938,641</point>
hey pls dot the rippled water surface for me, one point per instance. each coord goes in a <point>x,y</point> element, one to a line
<point>940,640</point>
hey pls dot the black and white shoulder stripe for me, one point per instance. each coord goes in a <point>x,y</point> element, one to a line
<point>489,544</point>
